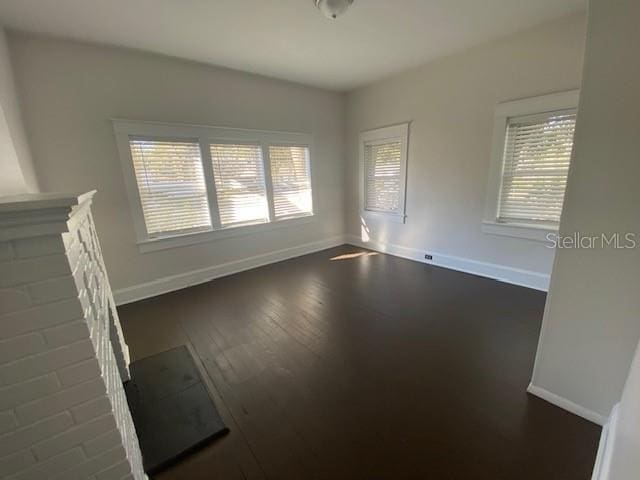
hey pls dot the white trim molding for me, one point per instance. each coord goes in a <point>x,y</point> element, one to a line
<point>205,135</point>
<point>49,213</point>
<point>377,136</point>
<point>524,278</point>
<point>162,243</point>
<point>202,275</point>
<point>567,405</point>
<point>538,233</point>
<point>515,276</point>
<point>550,102</point>
<point>605,448</point>
<point>503,112</point>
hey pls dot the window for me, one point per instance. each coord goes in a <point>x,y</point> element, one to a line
<point>240,189</point>
<point>291,178</point>
<point>382,183</point>
<point>189,184</point>
<point>533,139</point>
<point>536,163</point>
<point>383,172</point>
<point>171,185</point>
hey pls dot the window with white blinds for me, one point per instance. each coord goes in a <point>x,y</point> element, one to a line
<point>383,176</point>
<point>238,172</point>
<point>188,183</point>
<point>537,153</point>
<point>383,154</point>
<point>171,185</point>
<point>291,181</point>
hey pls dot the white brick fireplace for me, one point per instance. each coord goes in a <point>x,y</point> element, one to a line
<point>63,411</point>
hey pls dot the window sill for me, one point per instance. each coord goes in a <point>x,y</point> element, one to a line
<point>155,244</point>
<point>538,233</point>
<point>385,216</point>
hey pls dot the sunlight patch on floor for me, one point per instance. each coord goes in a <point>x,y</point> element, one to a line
<point>348,256</point>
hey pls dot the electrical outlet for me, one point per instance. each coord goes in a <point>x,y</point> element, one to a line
<point>428,257</point>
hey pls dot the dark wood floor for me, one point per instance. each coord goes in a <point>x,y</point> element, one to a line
<point>366,366</point>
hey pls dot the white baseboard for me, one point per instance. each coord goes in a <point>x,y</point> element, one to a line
<point>605,448</point>
<point>516,276</point>
<point>567,405</point>
<point>202,275</point>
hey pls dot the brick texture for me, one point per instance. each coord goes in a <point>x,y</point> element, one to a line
<point>63,411</point>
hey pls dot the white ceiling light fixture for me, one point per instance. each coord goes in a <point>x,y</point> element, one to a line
<point>332,8</point>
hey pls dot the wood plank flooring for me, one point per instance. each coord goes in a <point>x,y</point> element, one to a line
<point>347,364</point>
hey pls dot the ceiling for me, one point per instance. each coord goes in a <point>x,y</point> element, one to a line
<point>289,39</point>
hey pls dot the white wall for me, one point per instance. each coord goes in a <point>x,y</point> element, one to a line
<point>70,91</point>
<point>17,174</point>
<point>450,103</point>
<point>591,324</point>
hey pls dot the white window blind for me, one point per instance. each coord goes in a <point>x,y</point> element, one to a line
<point>240,189</point>
<point>383,176</point>
<point>291,180</point>
<point>171,185</point>
<point>536,163</point>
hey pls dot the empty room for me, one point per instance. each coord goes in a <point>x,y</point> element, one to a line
<point>319,239</point>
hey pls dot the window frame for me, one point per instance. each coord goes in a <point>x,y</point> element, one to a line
<point>206,135</point>
<point>398,132</point>
<point>540,105</point>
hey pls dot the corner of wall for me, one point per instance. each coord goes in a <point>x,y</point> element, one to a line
<point>16,164</point>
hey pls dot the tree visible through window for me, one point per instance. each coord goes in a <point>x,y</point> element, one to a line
<point>238,173</point>
<point>383,176</point>
<point>291,179</point>
<point>384,172</point>
<point>184,179</point>
<point>537,154</point>
<point>171,185</point>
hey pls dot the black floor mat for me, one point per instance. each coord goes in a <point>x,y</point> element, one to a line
<point>171,408</point>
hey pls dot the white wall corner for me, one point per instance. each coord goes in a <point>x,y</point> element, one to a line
<point>17,171</point>
<point>195,277</point>
<point>567,405</point>
<point>606,446</point>
<point>502,273</point>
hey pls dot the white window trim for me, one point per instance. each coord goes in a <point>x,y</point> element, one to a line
<point>503,111</point>
<point>205,135</point>
<point>394,132</point>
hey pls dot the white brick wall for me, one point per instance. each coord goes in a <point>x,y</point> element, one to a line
<point>63,412</point>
